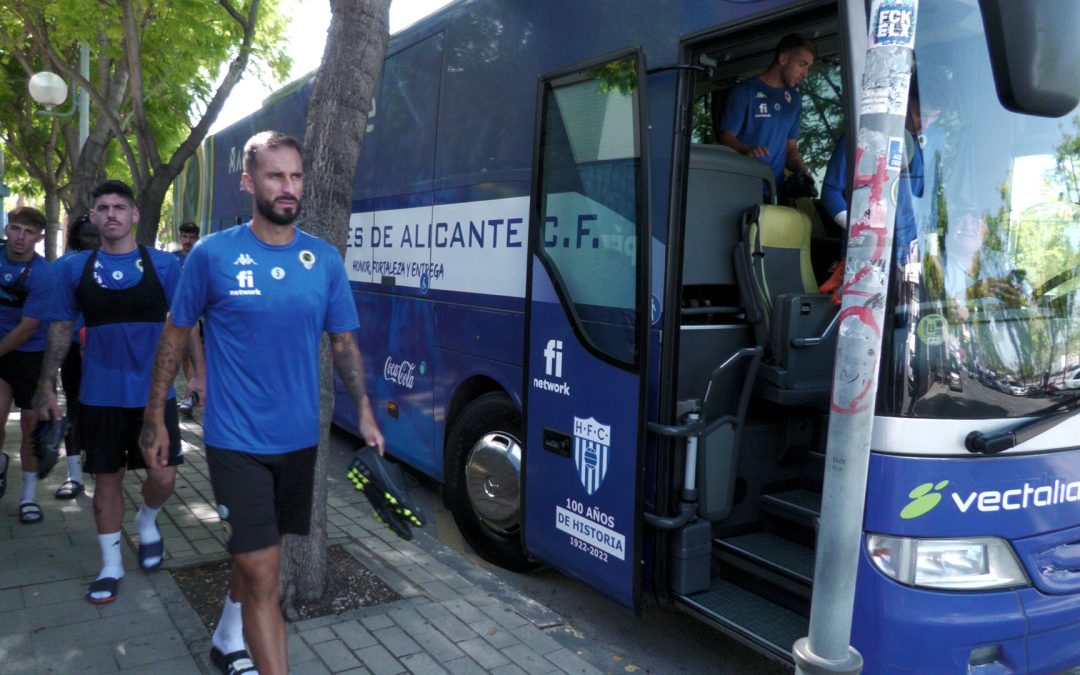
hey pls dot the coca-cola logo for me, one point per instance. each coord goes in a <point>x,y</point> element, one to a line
<point>401,373</point>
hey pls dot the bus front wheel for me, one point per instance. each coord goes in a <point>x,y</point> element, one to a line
<point>483,480</point>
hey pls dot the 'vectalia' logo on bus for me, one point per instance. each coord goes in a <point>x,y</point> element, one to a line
<point>925,497</point>
<point>923,500</point>
<point>592,442</point>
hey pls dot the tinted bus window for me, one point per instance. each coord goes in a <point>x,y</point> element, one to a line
<point>589,191</point>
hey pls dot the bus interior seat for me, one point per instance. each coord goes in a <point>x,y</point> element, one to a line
<point>721,185</point>
<point>792,321</point>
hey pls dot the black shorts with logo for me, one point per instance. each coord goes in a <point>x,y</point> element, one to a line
<point>110,436</point>
<point>261,497</point>
<point>21,371</point>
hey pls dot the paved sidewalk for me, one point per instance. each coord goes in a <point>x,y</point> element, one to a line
<point>450,620</point>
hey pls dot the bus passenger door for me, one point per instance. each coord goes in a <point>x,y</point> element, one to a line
<point>587,318</point>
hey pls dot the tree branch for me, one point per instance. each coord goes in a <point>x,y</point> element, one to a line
<point>36,26</point>
<point>148,151</point>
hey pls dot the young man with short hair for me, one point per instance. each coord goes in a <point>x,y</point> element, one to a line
<point>194,361</point>
<point>123,291</point>
<point>762,115</point>
<point>189,234</point>
<point>267,292</point>
<point>26,283</point>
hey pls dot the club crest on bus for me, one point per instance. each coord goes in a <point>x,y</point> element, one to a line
<point>592,442</point>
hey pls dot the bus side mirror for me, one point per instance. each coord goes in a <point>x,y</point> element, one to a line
<point>1033,54</point>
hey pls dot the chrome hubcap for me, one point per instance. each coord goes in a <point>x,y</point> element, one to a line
<point>493,481</point>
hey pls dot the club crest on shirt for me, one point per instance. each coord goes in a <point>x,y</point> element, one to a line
<point>307,259</point>
<point>787,96</point>
<point>138,263</point>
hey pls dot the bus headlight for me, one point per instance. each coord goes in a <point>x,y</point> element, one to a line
<point>969,564</point>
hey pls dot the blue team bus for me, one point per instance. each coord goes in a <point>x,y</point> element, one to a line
<point>575,320</point>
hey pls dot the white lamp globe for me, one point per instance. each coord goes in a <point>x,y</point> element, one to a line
<point>48,89</point>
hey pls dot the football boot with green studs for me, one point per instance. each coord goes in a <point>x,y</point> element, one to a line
<point>383,483</point>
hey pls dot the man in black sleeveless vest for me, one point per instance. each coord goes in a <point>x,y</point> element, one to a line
<point>26,282</point>
<point>124,291</point>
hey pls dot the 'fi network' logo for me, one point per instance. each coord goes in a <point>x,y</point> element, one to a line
<point>553,358</point>
<point>923,499</point>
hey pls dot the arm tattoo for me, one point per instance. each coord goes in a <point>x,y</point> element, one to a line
<point>170,353</point>
<point>349,364</point>
<point>148,435</point>
<point>58,342</point>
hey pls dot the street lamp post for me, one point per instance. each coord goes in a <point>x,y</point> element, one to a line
<point>50,90</point>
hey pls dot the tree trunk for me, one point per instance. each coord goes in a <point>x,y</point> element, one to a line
<point>336,120</point>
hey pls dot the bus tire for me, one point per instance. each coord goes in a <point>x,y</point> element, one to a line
<point>483,480</point>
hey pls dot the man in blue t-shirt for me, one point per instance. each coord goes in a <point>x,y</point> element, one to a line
<point>193,363</point>
<point>26,282</point>
<point>762,115</point>
<point>189,234</point>
<point>267,292</point>
<point>123,292</point>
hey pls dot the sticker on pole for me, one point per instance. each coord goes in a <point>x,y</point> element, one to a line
<point>894,24</point>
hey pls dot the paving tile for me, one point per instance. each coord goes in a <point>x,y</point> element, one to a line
<point>464,666</point>
<point>453,628</point>
<point>11,599</point>
<point>378,660</point>
<point>511,669</point>
<point>524,656</point>
<point>505,616</point>
<point>483,653</point>
<point>435,643</point>
<point>464,611</point>
<point>317,635</point>
<point>336,656</point>
<point>354,635</point>
<point>377,621</point>
<point>147,650</point>
<point>395,640</point>
<point>537,639</point>
<point>299,651</point>
<point>422,664</point>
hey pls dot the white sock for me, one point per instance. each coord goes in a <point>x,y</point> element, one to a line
<point>229,634</point>
<point>75,468</point>
<point>146,521</point>
<point>111,559</point>
<point>29,486</point>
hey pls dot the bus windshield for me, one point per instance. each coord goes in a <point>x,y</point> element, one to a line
<point>987,266</point>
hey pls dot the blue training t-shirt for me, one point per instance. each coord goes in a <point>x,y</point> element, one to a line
<point>909,185</point>
<point>118,358</point>
<point>265,309</point>
<point>37,285</point>
<point>762,115</point>
<point>180,258</point>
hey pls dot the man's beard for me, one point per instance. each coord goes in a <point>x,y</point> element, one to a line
<point>266,210</point>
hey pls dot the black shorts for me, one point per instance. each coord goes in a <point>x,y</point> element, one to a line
<point>261,497</point>
<point>110,436</point>
<point>21,371</point>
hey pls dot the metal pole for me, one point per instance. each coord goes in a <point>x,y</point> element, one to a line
<point>878,159</point>
<point>84,96</point>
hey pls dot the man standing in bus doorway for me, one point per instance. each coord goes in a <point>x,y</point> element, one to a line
<point>194,361</point>
<point>267,292</point>
<point>26,283</point>
<point>763,114</point>
<point>123,292</point>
